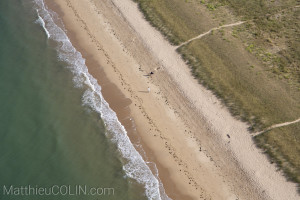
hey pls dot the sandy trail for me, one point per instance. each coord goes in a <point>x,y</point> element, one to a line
<point>208,32</point>
<point>277,126</point>
<point>182,126</point>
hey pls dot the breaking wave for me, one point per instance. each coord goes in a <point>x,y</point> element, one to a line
<point>41,22</point>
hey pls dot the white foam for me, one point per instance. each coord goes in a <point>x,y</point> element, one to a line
<point>41,22</point>
<point>134,166</point>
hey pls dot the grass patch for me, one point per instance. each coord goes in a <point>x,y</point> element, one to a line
<point>287,151</point>
<point>178,21</point>
<point>273,24</point>
<point>249,94</point>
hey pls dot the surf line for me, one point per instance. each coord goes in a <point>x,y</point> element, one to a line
<point>42,23</point>
<point>133,164</point>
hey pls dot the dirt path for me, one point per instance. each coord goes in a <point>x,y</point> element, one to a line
<point>277,126</point>
<point>208,32</point>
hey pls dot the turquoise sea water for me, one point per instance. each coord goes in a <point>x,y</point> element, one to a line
<point>51,133</point>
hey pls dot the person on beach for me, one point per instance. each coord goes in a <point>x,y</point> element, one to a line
<point>151,73</point>
<point>148,90</point>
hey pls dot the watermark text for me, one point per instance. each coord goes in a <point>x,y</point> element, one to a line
<point>56,190</point>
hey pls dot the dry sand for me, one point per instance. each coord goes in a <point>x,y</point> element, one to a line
<point>201,151</point>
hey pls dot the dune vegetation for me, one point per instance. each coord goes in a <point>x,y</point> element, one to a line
<point>254,68</point>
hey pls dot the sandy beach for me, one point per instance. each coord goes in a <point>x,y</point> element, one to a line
<point>200,150</point>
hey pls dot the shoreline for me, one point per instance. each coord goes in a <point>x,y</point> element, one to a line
<point>120,104</point>
<point>177,134</point>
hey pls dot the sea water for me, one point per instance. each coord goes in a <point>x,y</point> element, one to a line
<point>59,139</point>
